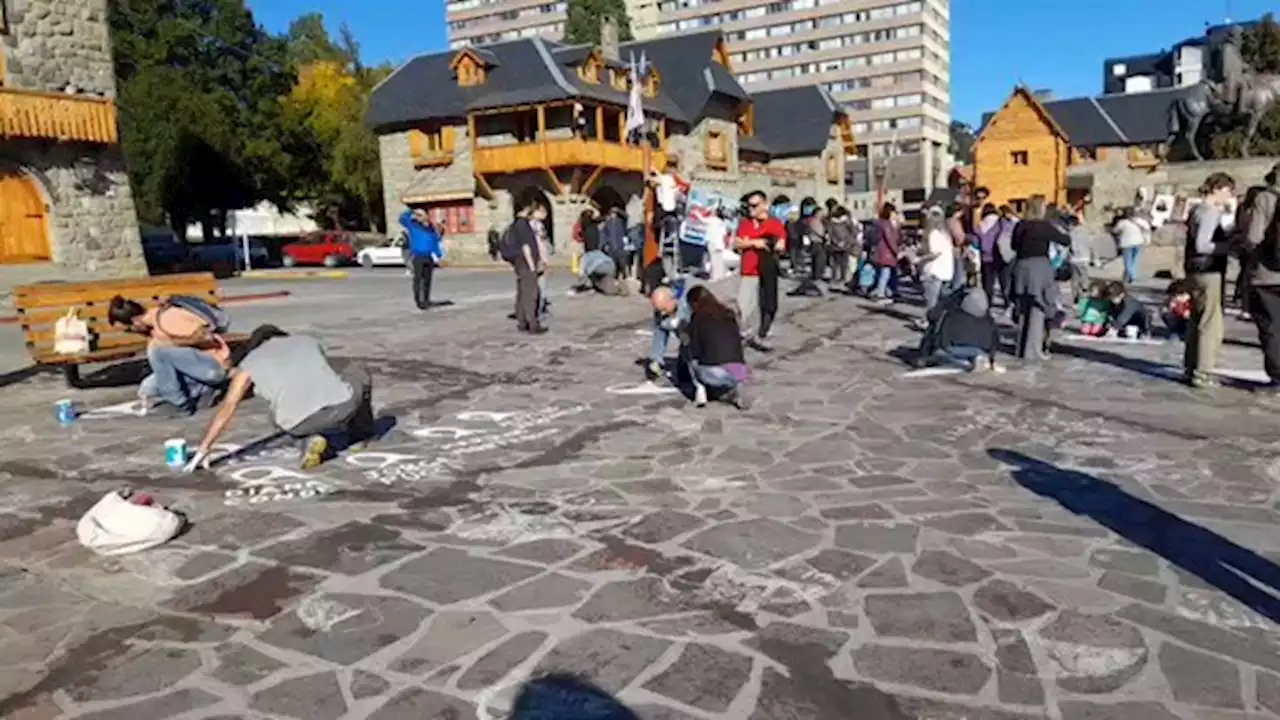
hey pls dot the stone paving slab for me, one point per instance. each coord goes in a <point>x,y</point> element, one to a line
<point>1082,540</point>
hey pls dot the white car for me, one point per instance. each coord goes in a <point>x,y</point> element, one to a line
<point>388,254</point>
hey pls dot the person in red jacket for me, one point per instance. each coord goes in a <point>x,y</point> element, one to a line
<point>757,235</point>
<point>888,251</point>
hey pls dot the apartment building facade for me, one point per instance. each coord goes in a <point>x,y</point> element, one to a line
<point>886,61</point>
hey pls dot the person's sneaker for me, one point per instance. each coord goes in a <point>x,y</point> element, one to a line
<point>313,452</point>
<point>700,396</point>
<point>1201,381</point>
<point>884,302</point>
<point>653,371</point>
<point>740,398</point>
<point>758,346</point>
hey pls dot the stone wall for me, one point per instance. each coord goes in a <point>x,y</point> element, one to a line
<point>92,225</point>
<point>56,46</point>
<point>53,45</point>
<point>1115,184</point>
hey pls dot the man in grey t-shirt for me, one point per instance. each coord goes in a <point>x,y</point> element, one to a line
<point>307,395</point>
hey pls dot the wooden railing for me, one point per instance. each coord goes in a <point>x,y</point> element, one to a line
<point>564,153</point>
<point>54,116</point>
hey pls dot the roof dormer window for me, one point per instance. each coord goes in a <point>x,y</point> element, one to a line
<point>469,69</point>
<point>652,83</point>
<point>590,69</point>
<point>618,79</point>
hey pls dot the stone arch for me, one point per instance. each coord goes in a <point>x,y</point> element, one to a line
<point>606,197</point>
<point>25,227</point>
<point>534,192</point>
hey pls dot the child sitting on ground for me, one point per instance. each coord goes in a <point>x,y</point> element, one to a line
<point>1128,314</point>
<point>1094,312</point>
<point>1177,308</point>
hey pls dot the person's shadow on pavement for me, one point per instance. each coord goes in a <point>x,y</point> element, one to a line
<point>1241,573</point>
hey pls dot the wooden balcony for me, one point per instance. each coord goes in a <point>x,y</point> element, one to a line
<point>573,152</point>
<point>56,116</point>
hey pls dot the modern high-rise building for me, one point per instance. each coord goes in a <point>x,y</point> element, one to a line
<point>887,61</point>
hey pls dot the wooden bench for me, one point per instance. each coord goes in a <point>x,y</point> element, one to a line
<point>40,306</point>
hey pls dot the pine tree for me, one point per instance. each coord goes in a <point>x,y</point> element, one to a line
<point>582,26</point>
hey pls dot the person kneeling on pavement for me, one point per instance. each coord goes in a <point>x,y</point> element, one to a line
<point>182,335</point>
<point>961,329</point>
<point>307,396</point>
<point>711,355</point>
<point>600,273</point>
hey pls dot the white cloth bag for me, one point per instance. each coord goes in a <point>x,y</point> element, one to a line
<point>70,334</point>
<point>115,526</point>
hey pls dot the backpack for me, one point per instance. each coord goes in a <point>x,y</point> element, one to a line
<point>216,318</point>
<point>509,244</point>
<point>1004,241</point>
<point>1268,252</point>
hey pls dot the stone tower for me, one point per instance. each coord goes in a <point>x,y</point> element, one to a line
<point>66,208</point>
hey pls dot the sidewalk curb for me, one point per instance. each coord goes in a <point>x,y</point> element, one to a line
<point>295,274</point>
<point>228,300</point>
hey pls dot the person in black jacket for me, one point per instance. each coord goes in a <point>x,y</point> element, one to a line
<point>1035,285</point>
<point>711,351</point>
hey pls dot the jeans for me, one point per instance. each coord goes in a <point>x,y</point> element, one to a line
<point>664,326</point>
<point>423,267</point>
<point>886,282</point>
<point>526,296</point>
<point>353,417</point>
<point>594,264</point>
<point>1130,256</point>
<point>932,288</point>
<point>183,377</point>
<point>716,379</point>
<point>1264,306</point>
<point>1204,332</point>
<point>749,305</point>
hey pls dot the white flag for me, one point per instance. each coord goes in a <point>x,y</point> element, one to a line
<point>635,104</point>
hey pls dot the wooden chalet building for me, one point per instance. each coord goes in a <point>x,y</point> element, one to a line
<point>463,133</point>
<point>1075,152</point>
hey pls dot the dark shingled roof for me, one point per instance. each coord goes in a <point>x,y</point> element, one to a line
<point>1128,119</point>
<point>795,121</point>
<point>689,74</point>
<point>524,71</point>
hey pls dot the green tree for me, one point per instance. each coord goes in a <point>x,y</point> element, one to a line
<point>201,122</point>
<point>582,24</point>
<point>962,141</point>
<point>329,101</point>
<point>1261,50</point>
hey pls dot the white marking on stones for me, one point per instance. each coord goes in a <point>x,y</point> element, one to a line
<point>940,371</point>
<point>320,614</point>
<point>377,460</point>
<point>644,388</point>
<point>1119,340</point>
<point>1220,612</point>
<point>450,433</point>
<point>1076,660</point>
<point>132,408</point>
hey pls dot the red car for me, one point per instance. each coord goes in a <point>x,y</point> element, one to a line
<point>329,249</point>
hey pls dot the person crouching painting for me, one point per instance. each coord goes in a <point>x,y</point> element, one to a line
<point>711,355</point>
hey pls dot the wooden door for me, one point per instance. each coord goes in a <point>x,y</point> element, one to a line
<point>24,228</point>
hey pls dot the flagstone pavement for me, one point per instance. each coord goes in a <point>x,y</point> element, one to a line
<point>1086,541</point>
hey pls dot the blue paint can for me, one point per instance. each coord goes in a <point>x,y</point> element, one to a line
<point>65,412</point>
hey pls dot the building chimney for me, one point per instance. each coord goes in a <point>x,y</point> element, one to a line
<point>609,39</point>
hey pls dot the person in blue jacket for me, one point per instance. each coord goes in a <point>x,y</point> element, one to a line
<point>426,250</point>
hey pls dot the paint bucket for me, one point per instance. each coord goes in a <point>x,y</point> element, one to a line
<point>175,452</point>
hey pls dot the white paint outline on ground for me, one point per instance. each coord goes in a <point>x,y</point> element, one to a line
<point>939,371</point>
<point>1118,340</point>
<point>644,388</point>
<point>132,408</point>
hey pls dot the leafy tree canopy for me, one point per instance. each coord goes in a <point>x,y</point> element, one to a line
<point>962,141</point>
<point>1261,49</point>
<point>582,24</point>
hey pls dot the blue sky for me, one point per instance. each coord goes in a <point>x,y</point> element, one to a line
<point>995,44</point>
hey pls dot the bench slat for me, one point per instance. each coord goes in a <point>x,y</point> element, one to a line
<point>47,295</point>
<point>40,306</point>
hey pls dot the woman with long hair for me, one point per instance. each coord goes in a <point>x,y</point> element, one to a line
<point>887,253</point>
<point>711,351</point>
<point>1035,286</point>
